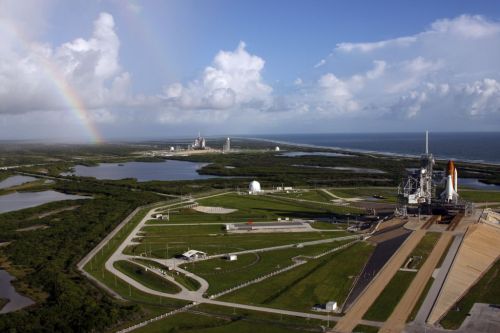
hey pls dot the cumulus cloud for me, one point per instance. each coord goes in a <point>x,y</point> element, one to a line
<point>451,69</point>
<point>37,77</point>
<point>233,79</point>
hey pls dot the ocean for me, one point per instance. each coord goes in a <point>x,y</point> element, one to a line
<point>474,147</point>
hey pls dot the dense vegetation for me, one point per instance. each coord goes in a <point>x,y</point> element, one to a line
<point>46,260</point>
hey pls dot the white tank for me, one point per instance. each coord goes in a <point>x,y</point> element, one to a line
<point>254,187</point>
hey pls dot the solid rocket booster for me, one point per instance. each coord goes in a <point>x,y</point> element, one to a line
<point>450,191</point>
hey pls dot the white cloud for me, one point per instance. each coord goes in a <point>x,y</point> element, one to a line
<point>298,81</point>
<point>233,79</point>
<point>35,76</point>
<point>320,63</point>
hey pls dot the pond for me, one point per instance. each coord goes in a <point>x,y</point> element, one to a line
<point>143,171</point>
<point>313,153</point>
<point>15,180</point>
<point>7,291</point>
<point>21,200</point>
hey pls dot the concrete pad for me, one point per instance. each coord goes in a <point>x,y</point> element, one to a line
<point>479,250</point>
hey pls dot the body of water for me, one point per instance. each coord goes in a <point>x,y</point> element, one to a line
<point>15,180</point>
<point>143,171</point>
<point>312,153</point>
<point>7,291</point>
<point>474,183</point>
<point>21,200</point>
<point>477,147</point>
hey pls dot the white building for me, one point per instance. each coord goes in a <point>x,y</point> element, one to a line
<point>277,148</point>
<point>254,187</point>
<point>331,306</point>
<point>193,255</point>
<point>231,257</point>
<point>227,146</point>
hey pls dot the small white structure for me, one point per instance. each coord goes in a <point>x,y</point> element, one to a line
<point>172,148</point>
<point>331,306</point>
<point>254,187</point>
<point>158,216</point>
<point>231,257</point>
<point>277,148</point>
<point>193,255</point>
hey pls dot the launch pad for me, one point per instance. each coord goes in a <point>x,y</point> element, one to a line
<point>417,192</point>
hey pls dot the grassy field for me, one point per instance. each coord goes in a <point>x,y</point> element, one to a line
<point>390,194</point>
<point>316,282</point>
<point>312,195</point>
<point>169,241</point>
<point>423,249</point>
<point>146,277</point>
<point>186,281</point>
<point>486,290</point>
<point>256,208</point>
<point>365,329</point>
<point>480,196</point>
<point>222,274</point>
<point>192,323</point>
<point>421,299</point>
<point>383,306</point>
<point>96,268</point>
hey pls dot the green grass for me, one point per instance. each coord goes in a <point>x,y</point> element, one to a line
<point>383,306</point>
<point>192,323</point>
<point>318,281</point>
<point>423,249</point>
<point>186,281</point>
<point>312,195</point>
<point>146,277</point>
<point>168,241</point>
<point>420,300</point>
<point>222,274</point>
<point>486,290</point>
<point>95,267</point>
<point>365,329</point>
<point>480,196</point>
<point>390,194</point>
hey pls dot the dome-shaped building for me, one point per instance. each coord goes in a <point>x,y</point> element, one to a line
<point>254,187</point>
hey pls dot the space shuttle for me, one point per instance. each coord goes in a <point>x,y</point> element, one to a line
<point>450,192</point>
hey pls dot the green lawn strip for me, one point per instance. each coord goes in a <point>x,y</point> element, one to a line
<point>383,306</point>
<point>480,196</point>
<point>313,195</point>
<point>222,274</point>
<point>423,249</point>
<point>146,277</point>
<point>328,226</point>
<point>188,282</point>
<point>162,242</point>
<point>420,300</point>
<point>365,329</point>
<point>318,281</point>
<point>486,290</point>
<point>196,323</point>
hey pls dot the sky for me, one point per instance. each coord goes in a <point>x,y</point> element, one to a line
<point>98,70</point>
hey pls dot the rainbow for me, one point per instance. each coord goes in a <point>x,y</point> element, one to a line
<point>59,82</point>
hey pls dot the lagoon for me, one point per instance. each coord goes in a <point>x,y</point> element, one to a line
<point>7,291</point>
<point>143,171</point>
<point>15,180</point>
<point>21,200</point>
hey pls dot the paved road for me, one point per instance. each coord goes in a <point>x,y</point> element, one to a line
<point>425,309</point>
<point>363,303</point>
<point>397,320</point>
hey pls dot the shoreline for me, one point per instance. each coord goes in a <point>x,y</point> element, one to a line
<point>367,152</point>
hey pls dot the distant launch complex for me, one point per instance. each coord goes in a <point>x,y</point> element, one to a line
<point>417,192</point>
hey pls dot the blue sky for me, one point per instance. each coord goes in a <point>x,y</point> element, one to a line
<point>169,68</point>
